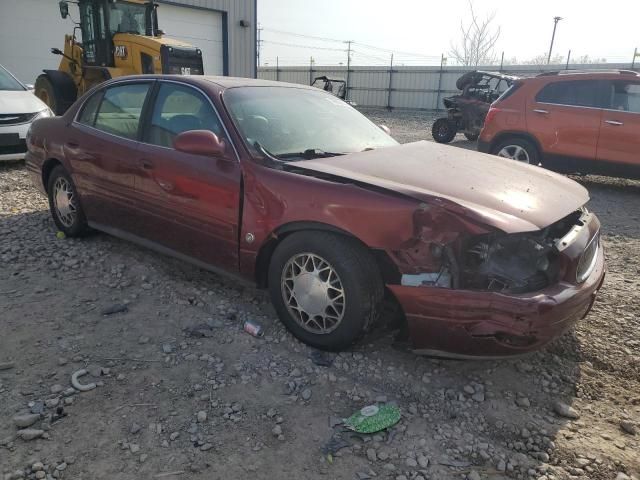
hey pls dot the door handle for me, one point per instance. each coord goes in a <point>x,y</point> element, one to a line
<point>613,122</point>
<point>146,164</point>
<point>539,110</point>
<point>72,145</point>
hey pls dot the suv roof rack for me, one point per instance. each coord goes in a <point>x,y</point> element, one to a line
<point>594,70</point>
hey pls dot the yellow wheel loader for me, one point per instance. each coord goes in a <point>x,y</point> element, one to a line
<point>118,38</point>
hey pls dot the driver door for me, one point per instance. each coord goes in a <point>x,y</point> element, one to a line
<point>191,201</point>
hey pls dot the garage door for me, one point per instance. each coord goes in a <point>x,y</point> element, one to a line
<point>201,28</point>
<point>28,30</point>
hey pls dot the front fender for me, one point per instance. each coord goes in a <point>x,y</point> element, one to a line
<point>277,201</point>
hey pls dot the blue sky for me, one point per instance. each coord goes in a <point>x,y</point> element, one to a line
<point>599,29</point>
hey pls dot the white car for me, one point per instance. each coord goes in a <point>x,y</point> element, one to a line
<point>19,108</point>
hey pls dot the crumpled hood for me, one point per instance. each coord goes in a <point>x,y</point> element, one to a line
<point>506,194</point>
<point>20,101</point>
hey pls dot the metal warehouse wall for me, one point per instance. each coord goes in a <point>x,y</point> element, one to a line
<point>411,87</point>
<point>29,28</point>
<point>242,40</point>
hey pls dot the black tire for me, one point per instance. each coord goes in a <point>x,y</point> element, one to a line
<point>443,130</point>
<point>46,91</point>
<point>74,225</point>
<point>357,273</point>
<point>528,155</point>
<point>472,137</point>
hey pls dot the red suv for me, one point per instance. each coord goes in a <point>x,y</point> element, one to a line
<point>570,122</point>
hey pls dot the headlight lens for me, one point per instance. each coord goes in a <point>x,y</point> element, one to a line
<point>44,114</point>
<point>588,259</point>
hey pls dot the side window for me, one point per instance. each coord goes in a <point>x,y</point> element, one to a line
<point>120,110</point>
<point>625,96</point>
<point>579,93</point>
<point>88,114</point>
<point>179,109</point>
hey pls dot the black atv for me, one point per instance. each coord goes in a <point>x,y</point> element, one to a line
<point>466,112</point>
<point>334,86</point>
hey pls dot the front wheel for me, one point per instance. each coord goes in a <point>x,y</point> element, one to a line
<point>443,130</point>
<point>326,288</point>
<point>64,204</point>
<point>517,149</point>
<point>46,91</point>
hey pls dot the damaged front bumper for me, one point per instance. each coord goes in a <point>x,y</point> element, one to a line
<point>463,323</point>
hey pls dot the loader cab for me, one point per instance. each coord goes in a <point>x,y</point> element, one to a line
<point>100,20</point>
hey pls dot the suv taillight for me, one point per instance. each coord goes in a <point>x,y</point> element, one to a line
<point>493,111</point>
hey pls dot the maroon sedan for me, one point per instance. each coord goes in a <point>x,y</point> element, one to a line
<point>294,190</point>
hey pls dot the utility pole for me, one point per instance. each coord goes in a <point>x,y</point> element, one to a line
<point>553,37</point>
<point>568,59</point>
<point>346,93</point>
<point>390,84</point>
<point>258,43</point>
<point>635,55</point>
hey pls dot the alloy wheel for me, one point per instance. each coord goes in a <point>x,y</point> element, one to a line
<point>514,152</point>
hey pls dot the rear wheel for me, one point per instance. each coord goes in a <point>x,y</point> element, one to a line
<point>443,130</point>
<point>326,288</point>
<point>518,149</point>
<point>64,204</point>
<point>46,91</point>
<point>472,137</point>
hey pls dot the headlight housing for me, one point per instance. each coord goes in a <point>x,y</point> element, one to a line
<point>44,114</point>
<point>588,259</point>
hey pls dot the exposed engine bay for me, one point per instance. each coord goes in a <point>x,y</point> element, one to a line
<point>499,262</point>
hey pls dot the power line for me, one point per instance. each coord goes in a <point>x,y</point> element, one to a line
<point>303,35</point>
<point>399,52</point>
<point>327,39</point>
<point>311,47</point>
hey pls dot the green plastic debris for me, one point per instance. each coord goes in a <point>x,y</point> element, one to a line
<point>60,235</point>
<point>373,418</point>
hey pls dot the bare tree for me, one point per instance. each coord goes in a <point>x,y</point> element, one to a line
<point>477,42</point>
<point>556,59</point>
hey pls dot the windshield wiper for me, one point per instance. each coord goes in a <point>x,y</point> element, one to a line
<point>309,154</point>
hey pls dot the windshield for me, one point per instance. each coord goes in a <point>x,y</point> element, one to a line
<point>286,121</point>
<point>127,18</point>
<point>8,82</point>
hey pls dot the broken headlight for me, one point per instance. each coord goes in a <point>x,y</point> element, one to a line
<point>516,263</point>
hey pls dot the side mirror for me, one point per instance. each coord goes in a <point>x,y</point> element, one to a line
<point>385,129</point>
<point>64,8</point>
<point>200,142</point>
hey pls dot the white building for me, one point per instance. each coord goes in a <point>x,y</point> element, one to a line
<point>225,31</point>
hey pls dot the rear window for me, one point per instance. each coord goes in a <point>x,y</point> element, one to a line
<point>120,110</point>
<point>578,93</point>
<point>509,91</point>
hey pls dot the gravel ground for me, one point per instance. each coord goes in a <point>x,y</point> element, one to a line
<point>175,402</point>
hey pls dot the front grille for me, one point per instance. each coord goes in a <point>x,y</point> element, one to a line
<point>16,118</point>
<point>12,149</point>
<point>588,259</point>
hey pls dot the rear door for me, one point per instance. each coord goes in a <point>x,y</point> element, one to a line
<point>102,147</point>
<point>565,117</point>
<point>620,131</point>
<point>191,201</point>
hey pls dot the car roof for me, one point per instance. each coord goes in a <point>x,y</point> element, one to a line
<point>221,82</point>
<point>605,74</point>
